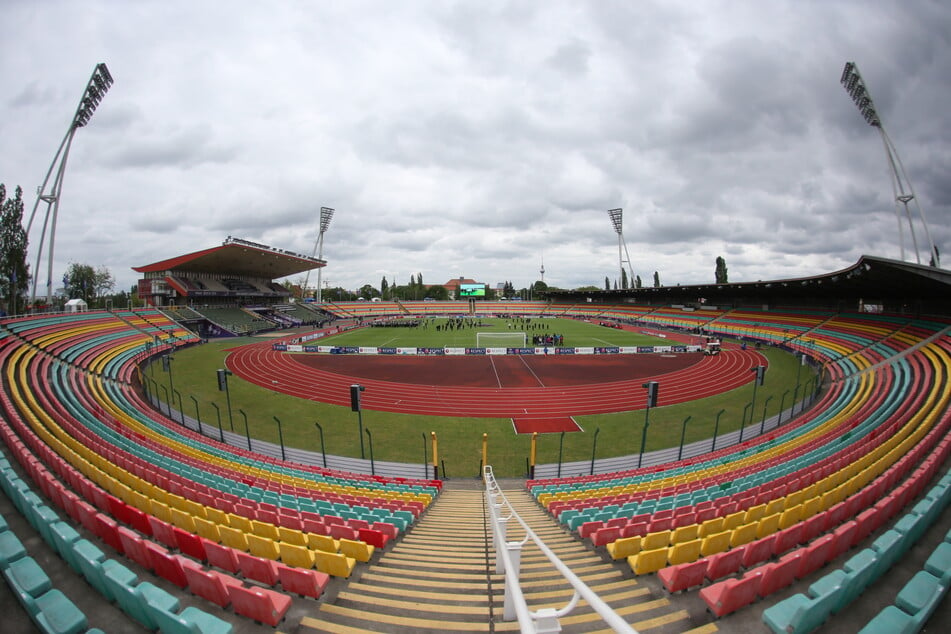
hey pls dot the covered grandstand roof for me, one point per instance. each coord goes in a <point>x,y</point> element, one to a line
<point>237,257</point>
<point>894,284</point>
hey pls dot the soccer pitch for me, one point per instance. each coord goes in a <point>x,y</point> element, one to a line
<point>443,332</point>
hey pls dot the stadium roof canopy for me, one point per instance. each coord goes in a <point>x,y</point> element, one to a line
<point>237,257</point>
<point>893,284</point>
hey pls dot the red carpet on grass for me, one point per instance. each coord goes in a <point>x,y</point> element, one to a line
<point>549,425</point>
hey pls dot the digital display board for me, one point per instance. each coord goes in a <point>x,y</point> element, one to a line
<point>472,290</point>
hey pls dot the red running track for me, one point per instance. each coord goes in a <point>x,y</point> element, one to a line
<point>536,392</point>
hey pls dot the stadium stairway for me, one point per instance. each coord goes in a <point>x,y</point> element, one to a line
<point>441,577</point>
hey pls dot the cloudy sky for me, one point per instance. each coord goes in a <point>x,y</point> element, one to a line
<point>480,139</point>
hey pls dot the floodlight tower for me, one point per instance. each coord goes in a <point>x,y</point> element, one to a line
<point>97,87</point>
<point>901,187</point>
<point>616,221</point>
<point>326,214</point>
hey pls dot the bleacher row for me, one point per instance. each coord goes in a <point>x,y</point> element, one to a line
<point>747,521</point>
<point>228,525</point>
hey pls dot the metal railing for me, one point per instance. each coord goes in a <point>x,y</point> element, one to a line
<point>508,560</point>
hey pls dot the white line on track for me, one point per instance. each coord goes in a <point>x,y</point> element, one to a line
<point>528,367</point>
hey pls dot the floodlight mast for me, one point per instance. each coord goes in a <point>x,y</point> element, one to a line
<point>616,216</point>
<point>901,187</point>
<point>326,214</point>
<point>97,87</point>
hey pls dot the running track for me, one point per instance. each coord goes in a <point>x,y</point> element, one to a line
<point>279,371</point>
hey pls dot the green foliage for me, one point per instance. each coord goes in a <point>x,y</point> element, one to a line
<point>91,284</point>
<point>722,276</point>
<point>14,272</point>
<point>656,279</point>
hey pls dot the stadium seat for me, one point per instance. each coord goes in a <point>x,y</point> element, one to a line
<point>210,585</point>
<point>309,583</point>
<point>259,604</point>
<point>683,576</point>
<point>220,556</point>
<point>257,568</point>
<point>729,595</point>
<point>334,564</point>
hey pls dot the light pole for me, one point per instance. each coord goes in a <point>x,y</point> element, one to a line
<point>97,87</point>
<point>716,428</point>
<point>356,406</point>
<point>901,187</point>
<point>280,437</point>
<point>323,451</point>
<point>762,424</point>
<point>683,433</point>
<point>617,221</point>
<point>652,388</point>
<point>326,214</point>
<point>223,387</point>
<point>247,430</point>
<point>594,448</point>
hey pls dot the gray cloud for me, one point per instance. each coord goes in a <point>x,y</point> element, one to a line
<point>476,139</point>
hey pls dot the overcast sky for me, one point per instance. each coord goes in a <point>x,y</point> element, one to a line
<point>481,139</point>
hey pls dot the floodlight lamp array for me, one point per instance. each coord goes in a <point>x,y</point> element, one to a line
<point>96,89</point>
<point>616,221</point>
<point>326,214</point>
<point>853,84</point>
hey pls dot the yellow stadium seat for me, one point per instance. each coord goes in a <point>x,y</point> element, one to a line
<point>660,539</point>
<point>195,509</point>
<point>790,516</point>
<point>335,564</point>
<point>733,520</point>
<point>768,525</point>
<point>263,547</point>
<point>161,511</point>
<point>775,506</point>
<point>683,552</point>
<point>624,547</point>
<point>216,515</point>
<point>716,543</point>
<point>265,529</point>
<point>233,537</point>
<point>183,520</point>
<point>292,536</point>
<point>361,551</point>
<point>324,543</point>
<point>648,561</point>
<point>297,556</point>
<point>239,522</point>
<point>810,507</point>
<point>743,534</point>
<point>711,526</point>
<point>754,513</point>
<point>207,529</point>
<point>685,533</point>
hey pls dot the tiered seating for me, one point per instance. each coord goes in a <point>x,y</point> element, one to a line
<point>788,498</point>
<point>229,525</point>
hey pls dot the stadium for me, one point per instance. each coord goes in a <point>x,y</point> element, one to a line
<point>228,457</point>
<point>230,460</point>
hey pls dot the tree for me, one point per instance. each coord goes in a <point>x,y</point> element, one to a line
<point>656,279</point>
<point>14,272</point>
<point>624,279</point>
<point>637,282</point>
<point>607,283</point>
<point>383,287</point>
<point>82,280</point>
<point>935,257</point>
<point>721,273</point>
<point>368,292</point>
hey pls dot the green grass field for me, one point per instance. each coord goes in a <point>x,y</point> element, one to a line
<point>399,437</point>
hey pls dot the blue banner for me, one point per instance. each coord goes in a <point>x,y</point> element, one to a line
<point>520,351</point>
<point>475,350</point>
<point>386,350</point>
<point>607,350</point>
<point>311,348</point>
<point>280,347</point>
<point>344,350</point>
<point>431,351</point>
<point>645,349</point>
<point>564,350</point>
<point>679,348</point>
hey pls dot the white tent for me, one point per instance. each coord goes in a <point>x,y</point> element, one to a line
<point>76,306</point>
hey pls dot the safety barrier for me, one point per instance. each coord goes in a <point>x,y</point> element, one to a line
<point>507,562</point>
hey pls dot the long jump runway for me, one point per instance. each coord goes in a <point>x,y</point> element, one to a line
<point>509,386</point>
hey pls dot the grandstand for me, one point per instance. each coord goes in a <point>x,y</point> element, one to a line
<point>117,517</point>
<point>229,289</point>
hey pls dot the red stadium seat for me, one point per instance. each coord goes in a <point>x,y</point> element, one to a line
<point>723,564</point>
<point>730,595</point>
<point>221,556</point>
<point>683,576</point>
<point>309,583</point>
<point>260,604</point>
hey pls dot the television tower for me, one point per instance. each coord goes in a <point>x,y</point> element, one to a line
<point>542,270</point>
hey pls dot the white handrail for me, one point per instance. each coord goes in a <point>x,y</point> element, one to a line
<point>508,558</point>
